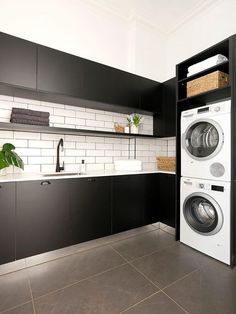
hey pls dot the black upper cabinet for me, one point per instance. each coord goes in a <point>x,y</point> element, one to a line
<point>65,74</point>
<point>38,72</point>
<point>7,222</point>
<point>17,61</point>
<point>60,73</point>
<point>42,217</point>
<point>165,119</point>
<point>90,208</point>
<point>133,204</point>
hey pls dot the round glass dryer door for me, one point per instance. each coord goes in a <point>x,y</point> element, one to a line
<point>203,214</point>
<point>203,139</point>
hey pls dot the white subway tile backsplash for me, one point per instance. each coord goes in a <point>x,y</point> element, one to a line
<point>104,146</point>
<point>28,135</point>
<point>85,145</point>
<point>64,113</point>
<point>95,123</point>
<point>74,152</point>
<point>95,152</point>
<point>38,150</point>
<point>85,115</point>
<point>5,114</point>
<point>6,134</point>
<point>57,119</point>
<point>41,144</point>
<point>28,151</point>
<point>32,160</point>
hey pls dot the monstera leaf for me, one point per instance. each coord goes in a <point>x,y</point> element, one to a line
<point>9,158</point>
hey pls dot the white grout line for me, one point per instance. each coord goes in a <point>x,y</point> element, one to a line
<point>79,281</point>
<point>160,289</point>
<point>132,306</point>
<point>31,294</point>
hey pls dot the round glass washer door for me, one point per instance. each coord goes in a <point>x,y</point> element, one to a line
<point>203,214</point>
<point>203,139</point>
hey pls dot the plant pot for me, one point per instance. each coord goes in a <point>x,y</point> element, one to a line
<point>3,172</point>
<point>134,129</point>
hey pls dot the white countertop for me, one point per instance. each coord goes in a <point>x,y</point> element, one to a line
<point>15,177</point>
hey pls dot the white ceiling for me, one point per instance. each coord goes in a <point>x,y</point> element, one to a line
<point>165,15</point>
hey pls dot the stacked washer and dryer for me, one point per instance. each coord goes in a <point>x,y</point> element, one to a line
<point>205,179</point>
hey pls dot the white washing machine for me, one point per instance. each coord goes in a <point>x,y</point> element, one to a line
<point>205,217</point>
<point>206,142</point>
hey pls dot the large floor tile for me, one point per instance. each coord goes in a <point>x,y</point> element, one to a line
<point>14,290</point>
<point>56,274</point>
<point>211,290</point>
<point>157,304</point>
<point>23,309</point>
<point>108,293</point>
<point>141,245</point>
<point>166,266</point>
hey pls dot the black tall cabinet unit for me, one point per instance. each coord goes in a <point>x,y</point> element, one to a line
<point>226,47</point>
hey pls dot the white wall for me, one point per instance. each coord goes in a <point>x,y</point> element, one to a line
<point>202,31</point>
<point>72,26</point>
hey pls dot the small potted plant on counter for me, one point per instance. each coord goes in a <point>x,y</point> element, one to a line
<point>9,158</point>
<point>134,121</point>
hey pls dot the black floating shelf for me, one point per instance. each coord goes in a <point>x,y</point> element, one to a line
<point>212,95</point>
<point>224,66</point>
<point>53,130</point>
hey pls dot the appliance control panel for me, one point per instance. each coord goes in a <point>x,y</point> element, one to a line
<point>208,110</point>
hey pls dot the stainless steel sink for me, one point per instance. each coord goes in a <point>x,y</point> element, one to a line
<point>58,174</point>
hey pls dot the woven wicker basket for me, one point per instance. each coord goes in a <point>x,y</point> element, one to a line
<point>119,128</point>
<point>207,82</point>
<point>166,163</point>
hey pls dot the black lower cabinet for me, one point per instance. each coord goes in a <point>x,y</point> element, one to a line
<point>7,222</point>
<point>90,208</point>
<point>132,199</point>
<point>166,199</point>
<point>42,217</point>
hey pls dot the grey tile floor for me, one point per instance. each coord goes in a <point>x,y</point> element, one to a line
<point>141,271</point>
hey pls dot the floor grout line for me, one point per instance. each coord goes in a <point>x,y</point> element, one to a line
<point>132,306</point>
<point>174,302</point>
<point>31,294</point>
<point>15,307</point>
<point>160,289</point>
<point>79,281</point>
<point>186,275</point>
<point>154,252</point>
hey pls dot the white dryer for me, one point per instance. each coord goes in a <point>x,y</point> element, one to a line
<point>205,217</point>
<point>206,142</point>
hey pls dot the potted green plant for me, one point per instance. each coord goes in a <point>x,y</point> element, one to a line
<point>134,121</point>
<point>9,158</point>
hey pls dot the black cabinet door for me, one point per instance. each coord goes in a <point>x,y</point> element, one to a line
<point>165,119</point>
<point>90,208</point>
<point>7,222</point>
<point>166,199</point>
<point>132,202</point>
<point>17,61</point>
<point>42,217</point>
<point>60,73</point>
